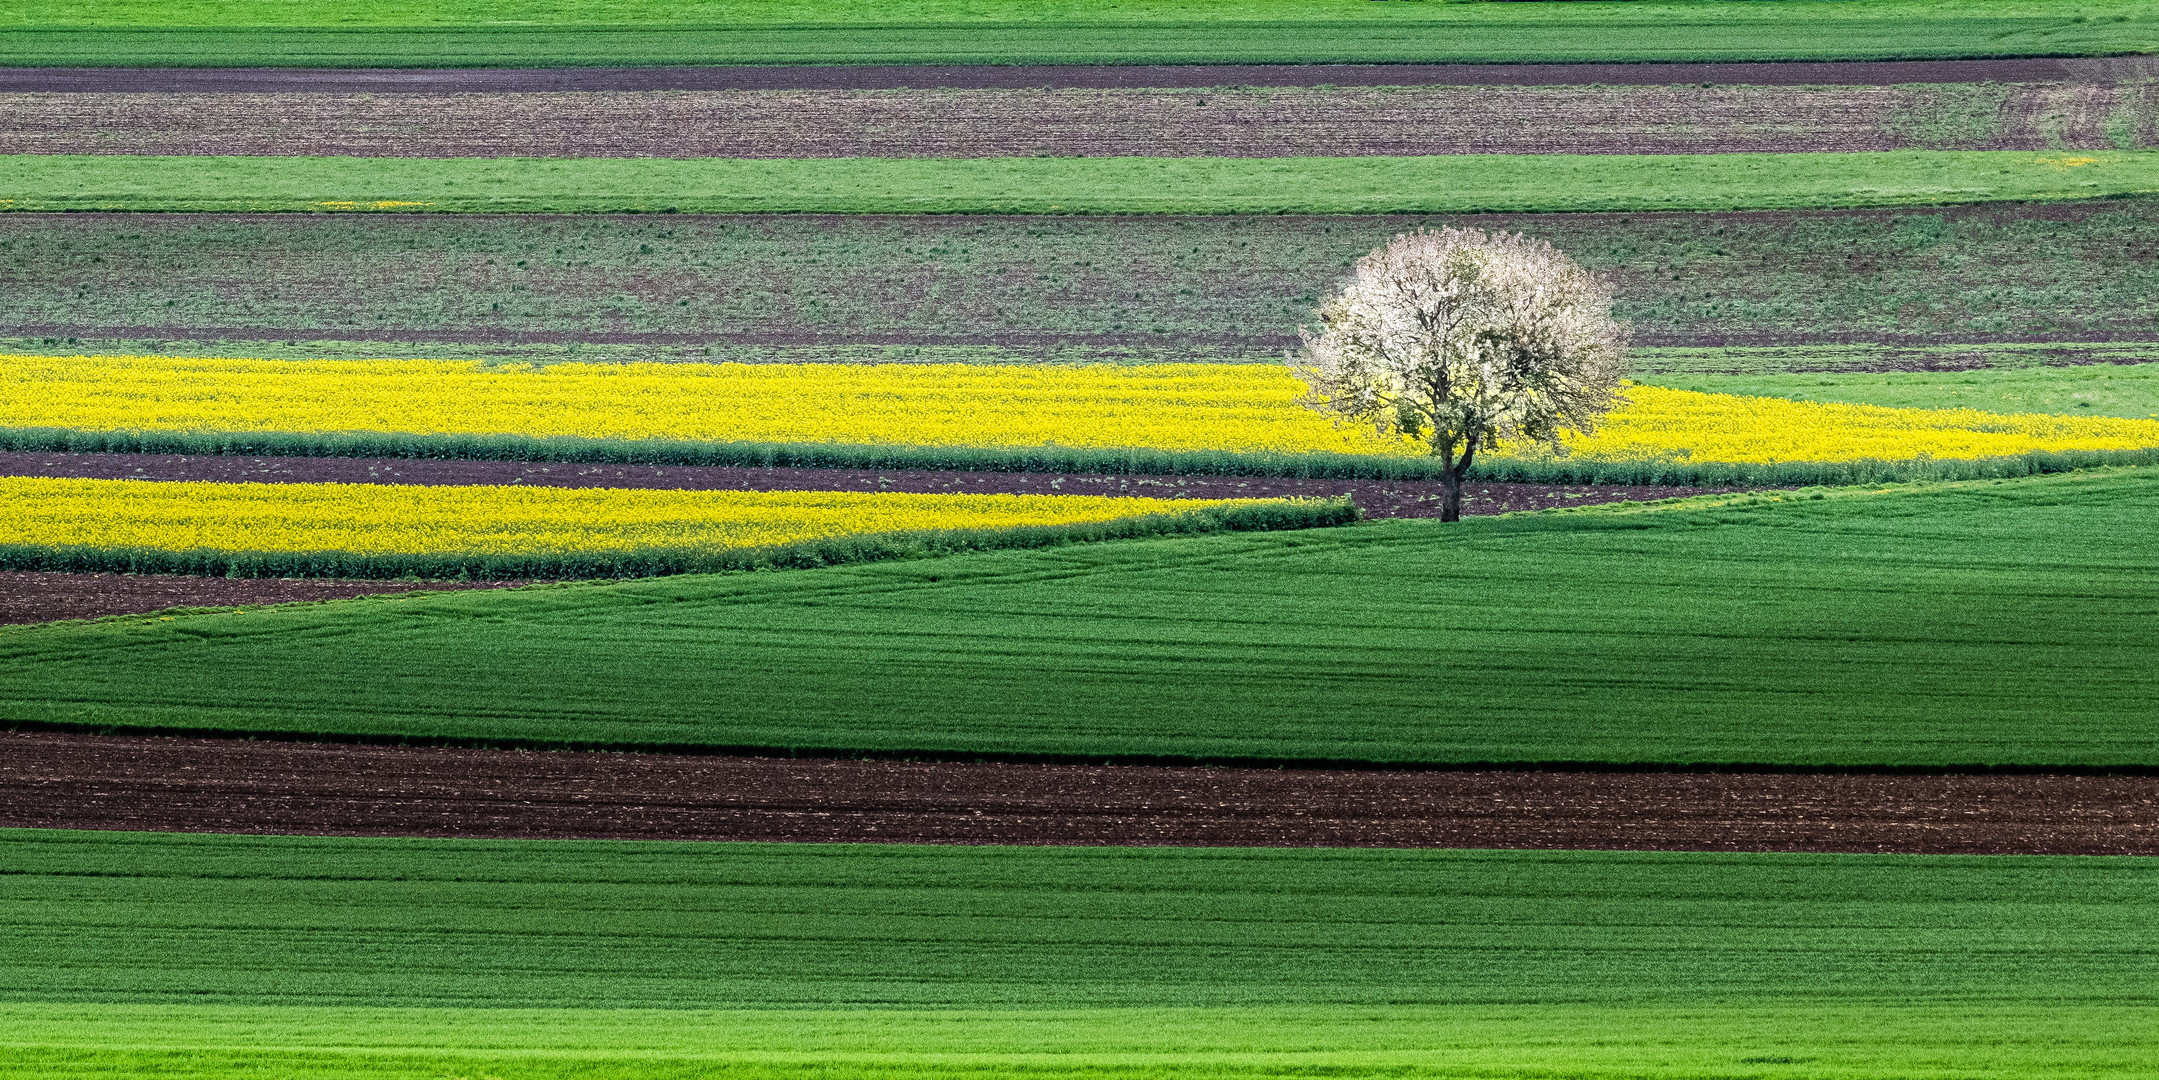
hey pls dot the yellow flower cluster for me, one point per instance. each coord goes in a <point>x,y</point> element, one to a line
<point>384,519</point>
<point>1220,407</point>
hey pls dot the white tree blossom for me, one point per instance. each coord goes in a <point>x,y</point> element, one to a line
<point>1461,339</point>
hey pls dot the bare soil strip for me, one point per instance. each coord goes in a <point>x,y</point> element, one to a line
<point>983,77</point>
<point>50,780</point>
<point>1217,122</point>
<point>43,596</point>
<point>1378,498</point>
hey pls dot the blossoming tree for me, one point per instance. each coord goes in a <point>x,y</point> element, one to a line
<point>1462,339</point>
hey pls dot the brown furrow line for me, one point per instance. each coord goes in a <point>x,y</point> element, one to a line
<point>52,780</point>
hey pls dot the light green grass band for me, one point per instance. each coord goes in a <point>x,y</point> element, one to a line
<point>1866,1041</point>
<point>582,33</point>
<point>1461,183</point>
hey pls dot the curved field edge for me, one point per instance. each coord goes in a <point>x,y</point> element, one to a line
<point>653,562</point>
<point>1054,459</point>
<point>1901,1041</point>
<point>1973,625</point>
<point>1465,183</point>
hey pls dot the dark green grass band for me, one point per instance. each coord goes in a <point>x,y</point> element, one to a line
<point>655,562</point>
<point>1051,459</point>
<point>1459,183</point>
<point>115,917</point>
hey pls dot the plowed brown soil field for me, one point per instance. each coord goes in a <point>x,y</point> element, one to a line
<point>66,780</point>
<point>1211,122</point>
<point>1018,287</point>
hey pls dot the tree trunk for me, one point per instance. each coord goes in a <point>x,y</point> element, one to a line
<point>1451,478</point>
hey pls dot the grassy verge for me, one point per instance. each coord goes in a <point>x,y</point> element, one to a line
<point>258,33</point>
<point>660,560</point>
<point>2125,390</point>
<point>1453,184</point>
<point>1981,624</point>
<point>1656,365</point>
<point>1672,15</point>
<point>1675,366</point>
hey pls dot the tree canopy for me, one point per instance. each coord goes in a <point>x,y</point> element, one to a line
<point>1465,339</point>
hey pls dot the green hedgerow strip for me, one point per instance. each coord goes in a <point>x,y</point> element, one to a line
<point>654,562</point>
<point>1054,459</point>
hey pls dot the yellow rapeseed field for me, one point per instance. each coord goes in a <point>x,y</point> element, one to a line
<point>1166,406</point>
<point>383,519</point>
<point>1204,407</point>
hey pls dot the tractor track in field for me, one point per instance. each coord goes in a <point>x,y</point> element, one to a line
<point>83,781</point>
<point>105,80</point>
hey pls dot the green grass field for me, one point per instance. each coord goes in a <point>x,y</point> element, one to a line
<point>1507,1042</point>
<point>2130,390</point>
<point>1906,627</point>
<point>161,918</point>
<point>1673,365</point>
<point>592,33</point>
<point>2093,15</point>
<point>192,955</point>
<point>1460,183</point>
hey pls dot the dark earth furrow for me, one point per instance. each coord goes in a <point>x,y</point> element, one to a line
<point>1095,287</point>
<point>1378,498</point>
<point>1235,122</point>
<point>36,596</point>
<point>894,77</point>
<point>82,781</point>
